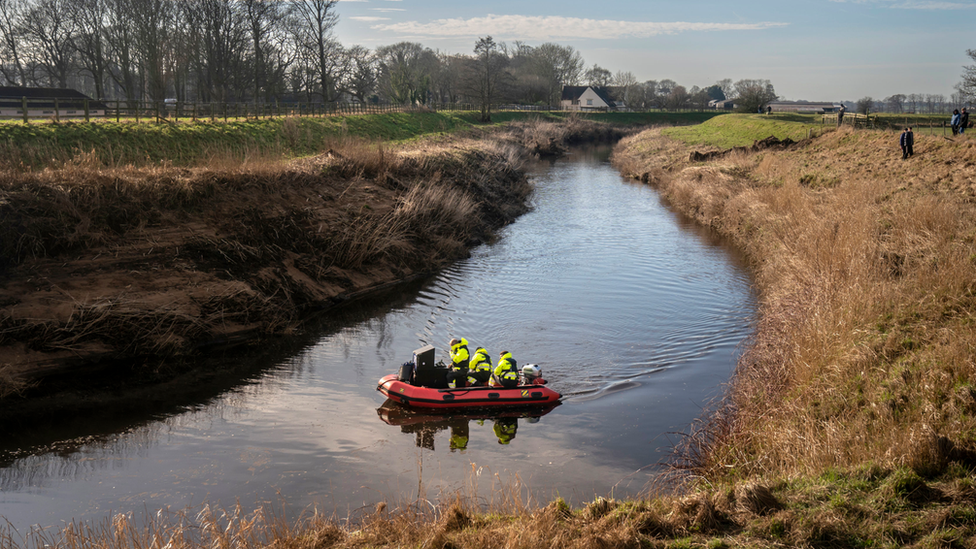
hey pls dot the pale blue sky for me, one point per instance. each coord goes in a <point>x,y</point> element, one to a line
<point>820,50</point>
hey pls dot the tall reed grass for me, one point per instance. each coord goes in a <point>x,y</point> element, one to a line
<point>271,239</point>
<point>864,264</point>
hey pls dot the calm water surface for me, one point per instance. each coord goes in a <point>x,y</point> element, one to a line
<point>634,314</point>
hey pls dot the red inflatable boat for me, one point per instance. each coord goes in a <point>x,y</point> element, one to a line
<point>422,384</point>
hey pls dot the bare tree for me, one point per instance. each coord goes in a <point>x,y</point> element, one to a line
<point>598,76</point>
<point>753,95</point>
<point>728,89</point>
<point>263,18</point>
<point>223,37</point>
<point>153,22</point>
<point>664,87</point>
<point>49,30</point>
<point>317,19</point>
<point>896,102</point>
<point>120,37</point>
<point>12,14</point>
<point>864,105</point>
<point>677,98</point>
<point>698,98</point>
<point>360,81</point>
<point>557,66</point>
<point>914,102</point>
<point>489,65</point>
<point>90,42</point>
<point>406,72</point>
<point>646,96</point>
<point>968,85</point>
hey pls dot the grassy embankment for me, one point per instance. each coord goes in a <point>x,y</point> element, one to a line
<point>220,144</point>
<point>860,378</point>
<point>850,422</point>
<point>149,241</point>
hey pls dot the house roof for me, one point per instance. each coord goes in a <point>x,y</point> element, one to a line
<point>607,94</point>
<point>40,93</point>
<point>804,104</point>
<point>11,96</point>
<point>572,93</point>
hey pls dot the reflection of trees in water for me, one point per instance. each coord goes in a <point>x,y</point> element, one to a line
<point>79,458</point>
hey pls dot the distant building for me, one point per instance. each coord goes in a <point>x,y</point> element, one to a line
<point>592,98</point>
<point>41,103</point>
<point>722,104</point>
<point>804,107</point>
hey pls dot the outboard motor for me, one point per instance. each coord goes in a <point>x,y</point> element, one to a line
<point>532,375</point>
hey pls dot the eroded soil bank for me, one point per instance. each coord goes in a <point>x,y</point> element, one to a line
<point>146,265</point>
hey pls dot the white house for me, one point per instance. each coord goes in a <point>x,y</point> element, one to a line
<point>592,98</point>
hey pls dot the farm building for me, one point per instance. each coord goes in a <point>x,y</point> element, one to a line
<point>592,98</point>
<point>47,103</point>
<point>722,104</point>
<point>805,107</point>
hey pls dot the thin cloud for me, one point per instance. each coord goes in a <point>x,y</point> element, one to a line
<point>386,9</point>
<point>932,6</point>
<point>557,27</point>
<point>368,18</point>
<point>912,4</point>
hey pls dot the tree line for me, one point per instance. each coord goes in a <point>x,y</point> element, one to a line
<point>914,103</point>
<point>275,50</point>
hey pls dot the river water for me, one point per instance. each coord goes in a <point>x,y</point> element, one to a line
<point>634,314</point>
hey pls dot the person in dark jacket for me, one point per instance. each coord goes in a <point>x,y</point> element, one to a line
<point>907,142</point>
<point>963,120</point>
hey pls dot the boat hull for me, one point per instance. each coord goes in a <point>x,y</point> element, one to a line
<point>467,397</point>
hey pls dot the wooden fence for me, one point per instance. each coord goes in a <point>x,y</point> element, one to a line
<point>57,109</point>
<point>852,119</point>
<point>90,110</point>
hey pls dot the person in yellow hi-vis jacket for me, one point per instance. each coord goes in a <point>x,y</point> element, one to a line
<point>506,373</point>
<point>459,363</point>
<point>479,368</point>
<point>505,429</point>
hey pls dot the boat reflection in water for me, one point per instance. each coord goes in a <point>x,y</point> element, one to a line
<point>425,424</point>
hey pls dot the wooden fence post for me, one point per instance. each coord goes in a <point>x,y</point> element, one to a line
<point>57,110</point>
<point>23,105</point>
<point>86,110</point>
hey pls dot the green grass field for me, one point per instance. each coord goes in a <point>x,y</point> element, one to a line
<point>110,143</point>
<point>741,130</point>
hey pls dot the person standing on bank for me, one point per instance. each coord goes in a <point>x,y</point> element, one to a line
<point>506,373</point>
<point>954,121</point>
<point>907,141</point>
<point>459,363</point>
<point>963,120</point>
<point>840,115</point>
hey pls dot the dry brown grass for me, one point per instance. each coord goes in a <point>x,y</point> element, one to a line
<point>871,507</point>
<point>159,261</point>
<point>865,269</point>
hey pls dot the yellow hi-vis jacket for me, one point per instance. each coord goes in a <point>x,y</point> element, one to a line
<point>459,355</point>
<point>480,362</point>
<point>507,368</point>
